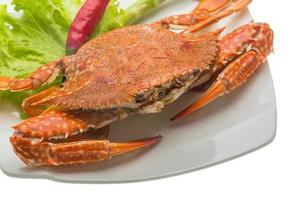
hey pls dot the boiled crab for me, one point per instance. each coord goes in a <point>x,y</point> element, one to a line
<point>137,69</point>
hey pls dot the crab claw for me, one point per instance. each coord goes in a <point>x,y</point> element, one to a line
<point>73,137</point>
<point>35,153</point>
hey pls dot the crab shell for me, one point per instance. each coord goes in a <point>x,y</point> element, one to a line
<point>140,68</point>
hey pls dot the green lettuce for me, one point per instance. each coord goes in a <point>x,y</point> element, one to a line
<point>38,34</point>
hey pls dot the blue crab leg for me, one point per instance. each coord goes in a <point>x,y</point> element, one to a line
<point>256,43</point>
<point>235,6</point>
<point>232,77</point>
<point>35,110</point>
<point>203,10</point>
<point>41,76</point>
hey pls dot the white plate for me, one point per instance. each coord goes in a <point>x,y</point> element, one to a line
<point>238,123</point>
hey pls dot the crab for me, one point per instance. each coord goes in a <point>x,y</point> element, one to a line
<point>133,70</point>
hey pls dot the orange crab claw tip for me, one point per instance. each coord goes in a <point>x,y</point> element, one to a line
<point>121,148</point>
<point>190,109</point>
<point>220,30</point>
<point>211,94</point>
<point>182,114</point>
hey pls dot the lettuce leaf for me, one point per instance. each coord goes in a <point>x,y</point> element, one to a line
<point>38,35</point>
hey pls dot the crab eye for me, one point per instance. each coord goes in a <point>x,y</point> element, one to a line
<point>196,72</point>
<point>139,97</point>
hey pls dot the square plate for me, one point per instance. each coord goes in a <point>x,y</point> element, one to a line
<point>234,125</point>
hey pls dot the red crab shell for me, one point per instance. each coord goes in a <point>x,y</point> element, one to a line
<point>126,67</point>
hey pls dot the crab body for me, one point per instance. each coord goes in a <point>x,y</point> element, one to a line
<point>137,69</point>
<point>133,68</point>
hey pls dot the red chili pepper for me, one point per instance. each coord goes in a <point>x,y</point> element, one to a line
<point>84,24</point>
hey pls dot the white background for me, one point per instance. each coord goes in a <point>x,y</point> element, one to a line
<point>270,173</point>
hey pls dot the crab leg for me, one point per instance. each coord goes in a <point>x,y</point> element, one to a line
<point>35,153</point>
<point>33,110</point>
<point>232,77</point>
<point>202,11</point>
<point>236,6</point>
<point>209,6</point>
<point>41,76</point>
<point>253,43</point>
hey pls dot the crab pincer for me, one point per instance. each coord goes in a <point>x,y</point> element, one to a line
<point>55,138</point>
<point>36,153</point>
